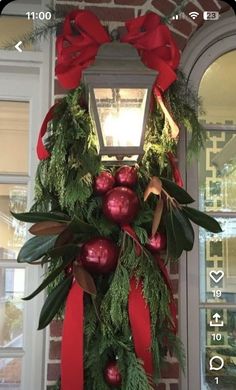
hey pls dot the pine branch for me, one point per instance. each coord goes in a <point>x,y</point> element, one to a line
<point>43,31</point>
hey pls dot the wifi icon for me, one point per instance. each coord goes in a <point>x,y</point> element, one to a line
<point>194,15</point>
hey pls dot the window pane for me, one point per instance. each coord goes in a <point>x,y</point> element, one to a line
<point>217,167</point>
<point>218,349</point>
<point>218,90</point>
<point>118,108</point>
<point>218,265</point>
<point>14,134</point>
<point>12,27</point>
<point>12,285</point>
<point>12,232</point>
<point>10,373</point>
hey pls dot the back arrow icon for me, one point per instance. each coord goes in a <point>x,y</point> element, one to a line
<point>17,46</point>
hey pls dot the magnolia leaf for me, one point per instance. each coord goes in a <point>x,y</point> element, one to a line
<point>64,237</point>
<point>65,250</point>
<point>54,301</point>
<point>48,279</point>
<point>176,192</point>
<point>202,220</point>
<point>35,248</point>
<point>84,280</point>
<point>154,187</point>
<point>183,229</point>
<point>174,237</point>
<point>82,230</point>
<point>41,217</point>
<point>157,216</point>
<point>47,228</point>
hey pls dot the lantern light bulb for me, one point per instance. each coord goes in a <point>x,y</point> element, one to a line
<point>123,128</point>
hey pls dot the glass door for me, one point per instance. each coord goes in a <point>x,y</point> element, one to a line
<point>14,138</point>
<point>21,348</point>
<point>217,252</point>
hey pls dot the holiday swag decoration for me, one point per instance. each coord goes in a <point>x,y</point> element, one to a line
<point>108,233</point>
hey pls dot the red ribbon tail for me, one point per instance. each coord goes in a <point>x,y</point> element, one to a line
<point>42,152</point>
<point>173,126</point>
<point>130,231</point>
<point>72,370</point>
<point>140,321</point>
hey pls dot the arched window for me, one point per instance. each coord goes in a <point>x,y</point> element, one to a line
<point>208,276</point>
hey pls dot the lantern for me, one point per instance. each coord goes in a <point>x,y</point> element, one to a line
<point>119,87</point>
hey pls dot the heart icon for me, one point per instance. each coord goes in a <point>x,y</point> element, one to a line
<point>216,275</point>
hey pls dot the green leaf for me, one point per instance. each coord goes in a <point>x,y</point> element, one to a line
<point>79,226</point>
<point>176,192</point>
<point>65,250</point>
<point>53,302</point>
<point>184,229</point>
<point>39,217</point>
<point>202,219</point>
<point>35,248</point>
<point>174,245</point>
<point>48,279</point>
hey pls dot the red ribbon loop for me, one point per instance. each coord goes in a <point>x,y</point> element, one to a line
<point>72,349</point>
<point>42,152</point>
<point>77,47</point>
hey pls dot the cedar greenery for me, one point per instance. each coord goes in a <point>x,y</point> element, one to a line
<point>66,204</point>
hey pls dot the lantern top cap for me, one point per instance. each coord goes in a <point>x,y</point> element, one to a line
<point>118,57</point>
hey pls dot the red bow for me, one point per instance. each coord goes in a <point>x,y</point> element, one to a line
<point>77,46</point>
<point>156,47</point>
<point>158,50</point>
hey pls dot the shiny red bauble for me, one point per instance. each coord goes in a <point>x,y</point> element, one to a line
<point>103,183</point>
<point>112,374</point>
<point>126,176</point>
<point>157,243</point>
<point>120,205</point>
<point>99,255</point>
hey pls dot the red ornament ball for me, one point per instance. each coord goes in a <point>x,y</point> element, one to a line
<point>112,374</point>
<point>103,183</point>
<point>120,205</point>
<point>157,243</point>
<point>99,255</point>
<point>126,176</point>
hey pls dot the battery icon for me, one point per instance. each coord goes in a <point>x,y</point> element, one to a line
<point>211,15</point>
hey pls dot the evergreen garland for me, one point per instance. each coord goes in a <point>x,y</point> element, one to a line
<point>64,198</point>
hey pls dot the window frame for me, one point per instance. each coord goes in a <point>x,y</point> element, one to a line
<point>209,43</point>
<point>32,65</point>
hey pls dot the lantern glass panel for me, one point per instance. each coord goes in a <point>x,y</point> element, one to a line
<point>121,115</point>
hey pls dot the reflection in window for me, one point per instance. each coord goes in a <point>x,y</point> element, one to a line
<point>218,172</point>
<point>218,91</point>
<point>219,341</point>
<point>217,255</point>
<point>14,137</point>
<point>12,282</point>
<point>10,373</point>
<point>12,232</point>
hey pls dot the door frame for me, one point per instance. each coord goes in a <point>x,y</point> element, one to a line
<point>32,66</point>
<point>209,43</point>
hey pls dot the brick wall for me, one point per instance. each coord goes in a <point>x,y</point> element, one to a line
<point>114,13</point>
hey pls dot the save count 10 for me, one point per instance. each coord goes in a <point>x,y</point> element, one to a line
<point>39,15</point>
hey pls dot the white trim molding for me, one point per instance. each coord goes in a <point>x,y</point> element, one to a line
<point>211,41</point>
